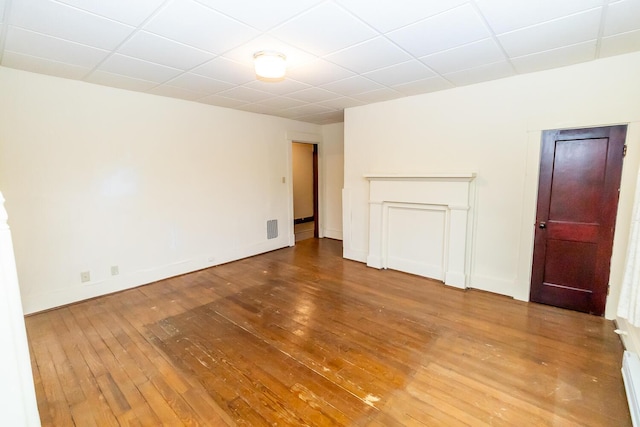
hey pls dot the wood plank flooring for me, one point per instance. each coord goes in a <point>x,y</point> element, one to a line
<point>301,336</point>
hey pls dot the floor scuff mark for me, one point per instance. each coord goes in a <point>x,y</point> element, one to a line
<point>371,399</point>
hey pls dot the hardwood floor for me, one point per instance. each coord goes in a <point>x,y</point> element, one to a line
<point>301,336</point>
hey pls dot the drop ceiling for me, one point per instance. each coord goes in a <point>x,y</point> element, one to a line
<point>341,53</point>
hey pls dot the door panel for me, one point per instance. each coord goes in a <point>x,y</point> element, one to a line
<point>576,273</point>
<point>578,164</point>
<point>580,174</point>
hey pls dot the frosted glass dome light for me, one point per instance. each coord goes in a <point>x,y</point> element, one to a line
<point>270,66</point>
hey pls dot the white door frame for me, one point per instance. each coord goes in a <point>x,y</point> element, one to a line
<point>308,138</point>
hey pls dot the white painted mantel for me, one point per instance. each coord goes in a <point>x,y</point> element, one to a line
<point>422,224</point>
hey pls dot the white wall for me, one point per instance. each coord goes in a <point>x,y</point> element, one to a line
<point>96,176</point>
<point>332,172</point>
<point>302,180</point>
<point>18,406</point>
<point>493,129</point>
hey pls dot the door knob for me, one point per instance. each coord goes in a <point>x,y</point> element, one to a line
<point>542,225</point>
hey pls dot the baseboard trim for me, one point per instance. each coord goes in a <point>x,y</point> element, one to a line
<point>333,233</point>
<point>43,301</point>
<point>492,284</point>
<point>354,255</point>
<point>629,334</point>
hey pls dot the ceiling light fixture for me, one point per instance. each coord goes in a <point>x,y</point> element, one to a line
<point>270,66</point>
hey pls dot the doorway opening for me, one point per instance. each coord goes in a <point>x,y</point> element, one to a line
<point>305,190</point>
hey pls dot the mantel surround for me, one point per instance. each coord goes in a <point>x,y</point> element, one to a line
<point>422,224</point>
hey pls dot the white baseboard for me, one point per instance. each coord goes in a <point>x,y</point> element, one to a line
<point>374,261</point>
<point>455,279</point>
<point>33,303</point>
<point>333,233</point>
<point>354,255</point>
<point>493,284</point>
<point>631,377</point>
<point>418,268</point>
<point>630,335</point>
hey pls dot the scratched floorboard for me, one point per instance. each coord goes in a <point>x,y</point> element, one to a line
<point>301,336</point>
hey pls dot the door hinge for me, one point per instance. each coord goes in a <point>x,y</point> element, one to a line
<point>624,150</point>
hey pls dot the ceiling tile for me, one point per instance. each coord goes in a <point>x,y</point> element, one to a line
<point>175,92</point>
<point>126,11</point>
<point>401,73</point>
<point>226,70</point>
<point>262,15</point>
<point>379,95</point>
<point>196,25</point>
<point>281,103</point>
<point>370,55</point>
<point>257,108</point>
<point>352,86</point>
<point>305,110</point>
<point>483,73</point>
<point>153,48</point>
<point>341,103</point>
<point>138,69</point>
<point>119,81</point>
<point>221,101</point>
<point>43,66</point>
<point>327,28</point>
<point>277,88</point>
<point>453,28</point>
<point>622,16</point>
<point>550,35</point>
<point>417,87</point>
<point>318,72</point>
<point>69,23</point>
<point>389,15</point>
<point>324,118</point>
<point>505,16</point>
<point>244,53</point>
<point>54,49</point>
<point>287,114</point>
<point>197,83</point>
<point>468,56</point>
<point>620,44</point>
<point>341,53</point>
<point>245,94</point>
<point>313,94</point>
<point>555,58</point>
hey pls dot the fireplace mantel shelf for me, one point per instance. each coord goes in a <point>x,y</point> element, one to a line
<point>422,176</point>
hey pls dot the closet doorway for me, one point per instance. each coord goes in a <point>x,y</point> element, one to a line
<point>305,190</point>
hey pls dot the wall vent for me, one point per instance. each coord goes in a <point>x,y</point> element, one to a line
<point>631,377</point>
<point>272,229</point>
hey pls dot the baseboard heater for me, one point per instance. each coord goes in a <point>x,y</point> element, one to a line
<point>631,377</point>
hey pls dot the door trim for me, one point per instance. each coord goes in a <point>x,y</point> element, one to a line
<point>309,138</point>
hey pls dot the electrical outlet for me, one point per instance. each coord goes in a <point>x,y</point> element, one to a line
<point>85,276</point>
<point>115,270</point>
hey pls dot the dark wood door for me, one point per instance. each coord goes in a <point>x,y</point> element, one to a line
<point>580,172</point>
